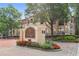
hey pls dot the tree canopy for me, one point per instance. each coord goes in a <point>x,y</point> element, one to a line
<point>49,12</point>
<point>9,17</point>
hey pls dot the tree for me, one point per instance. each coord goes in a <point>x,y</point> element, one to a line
<point>75,13</point>
<point>48,12</point>
<point>8,19</point>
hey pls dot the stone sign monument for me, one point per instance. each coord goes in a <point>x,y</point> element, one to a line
<point>33,32</point>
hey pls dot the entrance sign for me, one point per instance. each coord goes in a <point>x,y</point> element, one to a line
<point>34,32</point>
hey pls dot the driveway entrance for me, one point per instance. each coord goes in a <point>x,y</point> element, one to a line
<point>7,42</point>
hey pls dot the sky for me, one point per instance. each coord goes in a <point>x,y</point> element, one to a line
<point>19,6</point>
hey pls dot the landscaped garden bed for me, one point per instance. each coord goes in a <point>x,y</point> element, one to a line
<point>66,38</point>
<point>49,45</point>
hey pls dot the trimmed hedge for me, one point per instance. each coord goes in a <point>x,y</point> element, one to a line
<point>66,38</point>
<point>69,37</point>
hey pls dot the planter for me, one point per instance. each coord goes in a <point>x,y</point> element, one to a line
<point>34,45</point>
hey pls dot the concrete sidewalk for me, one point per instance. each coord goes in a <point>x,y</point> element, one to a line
<point>78,50</point>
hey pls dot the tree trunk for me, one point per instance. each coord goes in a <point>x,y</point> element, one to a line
<point>76,28</point>
<point>51,28</point>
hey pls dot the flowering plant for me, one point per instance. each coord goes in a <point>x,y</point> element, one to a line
<point>55,46</point>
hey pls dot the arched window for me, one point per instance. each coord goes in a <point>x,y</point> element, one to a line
<point>30,32</point>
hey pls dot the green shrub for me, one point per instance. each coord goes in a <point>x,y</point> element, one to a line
<point>49,42</point>
<point>65,38</point>
<point>46,46</point>
<point>77,36</point>
<point>34,44</point>
<point>69,38</point>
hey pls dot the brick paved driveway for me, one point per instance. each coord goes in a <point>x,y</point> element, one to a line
<point>9,48</point>
<point>7,42</point>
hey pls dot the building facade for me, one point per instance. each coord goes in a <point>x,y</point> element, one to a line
<point>67,28</point>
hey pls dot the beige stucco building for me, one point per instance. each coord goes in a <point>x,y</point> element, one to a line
<point>58,29</point>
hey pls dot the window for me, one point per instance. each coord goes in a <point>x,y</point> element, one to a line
<point>43,31</point>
